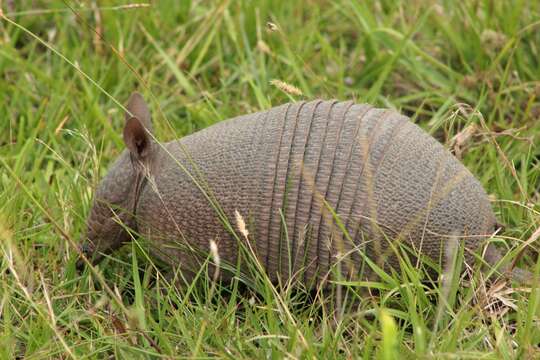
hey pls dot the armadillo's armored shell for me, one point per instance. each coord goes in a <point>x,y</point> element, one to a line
<point>386,179</point>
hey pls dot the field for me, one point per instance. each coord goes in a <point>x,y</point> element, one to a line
<point>468,72</point>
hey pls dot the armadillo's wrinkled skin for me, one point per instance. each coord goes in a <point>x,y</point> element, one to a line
<point>379,171</point>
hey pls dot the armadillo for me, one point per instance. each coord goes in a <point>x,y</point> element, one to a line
<point>320,184</point>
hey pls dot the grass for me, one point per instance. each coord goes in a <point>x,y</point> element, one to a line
<point>466,71</point>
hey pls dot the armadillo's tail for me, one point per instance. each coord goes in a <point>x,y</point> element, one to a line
<point>521,276</point>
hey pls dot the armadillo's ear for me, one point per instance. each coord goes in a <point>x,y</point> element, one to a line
<point>137,108</point>
<point>138,128</point>
<point>137,139</point>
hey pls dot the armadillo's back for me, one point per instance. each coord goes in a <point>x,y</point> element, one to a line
<point>292,170</point>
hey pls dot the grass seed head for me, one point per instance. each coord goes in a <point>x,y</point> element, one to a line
<point>287,88</point>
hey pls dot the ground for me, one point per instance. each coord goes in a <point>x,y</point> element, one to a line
<point>465,71</point>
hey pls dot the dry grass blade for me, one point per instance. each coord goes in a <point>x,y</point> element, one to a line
<point>461,139</point>
<point>98,34</point>
<point>61,125</point>
<point>533,238</point>
<point>12,12</point>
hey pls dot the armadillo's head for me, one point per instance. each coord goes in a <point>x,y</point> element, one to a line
<point>114,208</point>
